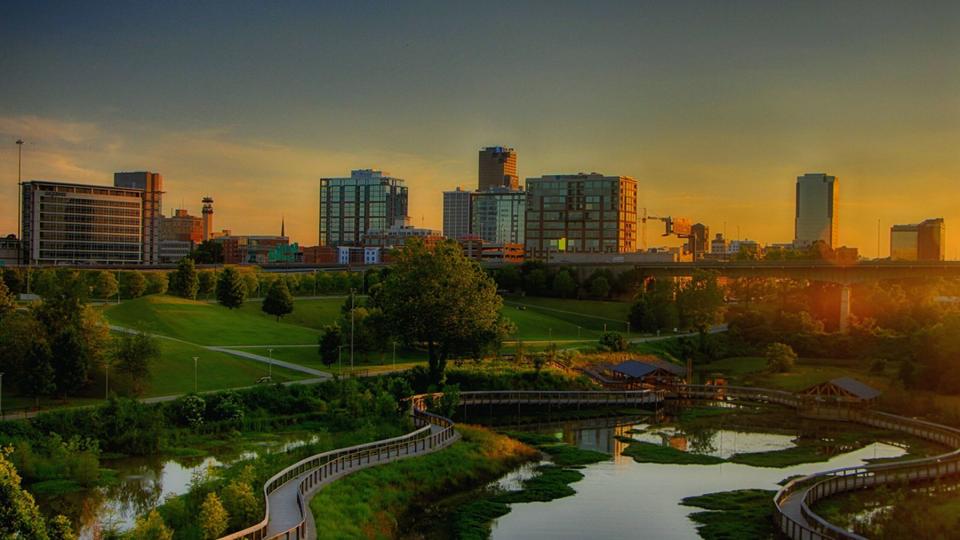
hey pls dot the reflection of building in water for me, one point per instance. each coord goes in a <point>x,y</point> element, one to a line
<point>678,442</point>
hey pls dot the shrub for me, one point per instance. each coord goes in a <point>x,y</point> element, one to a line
<point>780,357</point>
<point>613,342</point>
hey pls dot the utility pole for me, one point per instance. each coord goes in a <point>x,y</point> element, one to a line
<point>195,386</point>
<point>19,204</point>
<point>270,365</point>
<point>878,238</point>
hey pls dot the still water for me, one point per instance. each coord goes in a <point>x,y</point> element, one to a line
<point>621,498</point>
<point>144,483</point>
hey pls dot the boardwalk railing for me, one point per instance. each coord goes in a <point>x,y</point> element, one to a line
<point>820,485</point>
<point>314,470</point>
<point>434,432</point>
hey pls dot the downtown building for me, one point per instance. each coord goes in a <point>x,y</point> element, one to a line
<point>366,200</point>
<point>491,219</point>
<point>816,218</point>
<point>179,234</point>
<point>68,223</point>
<point>924,241</point>
<point>580,214</point>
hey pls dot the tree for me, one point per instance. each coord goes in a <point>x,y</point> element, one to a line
<point>442,299</point>
<point>279,301</point>
<point>699,301</point>
<point>213,517</point>
<point>251,284</point>
<point>151,527</point>
<point>230,289</point>
<point>105,285</point>
<point>184,282</point>
<point>330,342</point>
<point>563,284</point>
<point>613,341</point>
<point>133,355</point>
<point>780,357</point>
<point>599,287</point>
<point>59,528</point>
<point>207,282</point>
<point>39,376</point>
<point>208,252</point>
<point>240,503</point>
<point>70,361</point>
<point>136,284</point>
<point>7,302</point>
<point>19,515</point>
<point>157,282</point>
<point>509,278</point>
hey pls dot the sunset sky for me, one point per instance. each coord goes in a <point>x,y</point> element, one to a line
<point>714,107</point>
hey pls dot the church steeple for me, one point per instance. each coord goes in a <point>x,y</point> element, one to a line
<point>282,227</point>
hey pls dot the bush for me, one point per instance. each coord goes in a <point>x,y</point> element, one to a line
<point>780,357</point>
<point>613,342</point>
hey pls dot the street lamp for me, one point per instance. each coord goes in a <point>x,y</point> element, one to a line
<point>270,369</point>
<point>340,359</point>
<point>19,204</point>
<point>352,311</point>
<point>195,386</point>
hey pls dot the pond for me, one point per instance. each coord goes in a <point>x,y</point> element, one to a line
<point>144,483</point>
<point>622,498</point>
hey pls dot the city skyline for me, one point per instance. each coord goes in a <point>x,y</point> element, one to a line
<point>712,129</point>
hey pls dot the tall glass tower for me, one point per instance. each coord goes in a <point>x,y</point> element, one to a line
<point>349,207</point>
<point>816,212</point>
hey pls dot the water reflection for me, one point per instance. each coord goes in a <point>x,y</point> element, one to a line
<point>143,483</point>
<point>625,499</point>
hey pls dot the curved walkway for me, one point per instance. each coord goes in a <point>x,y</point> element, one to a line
<point>794,500</point>
<point>288,493</point>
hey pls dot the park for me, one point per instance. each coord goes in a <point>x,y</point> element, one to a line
<point>434,398</point>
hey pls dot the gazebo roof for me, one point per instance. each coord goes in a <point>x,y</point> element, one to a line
<point>844,386</point>
<point>642,368</point>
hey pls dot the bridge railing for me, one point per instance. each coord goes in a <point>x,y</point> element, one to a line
<point>314,470</point>
<point>483,397</point>
<point>824,484</point>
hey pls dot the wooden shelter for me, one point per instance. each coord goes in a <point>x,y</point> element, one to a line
<point>845,389</point>
<point>646,373</point>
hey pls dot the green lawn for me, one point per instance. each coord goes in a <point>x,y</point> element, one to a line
<point>310,313</point>
<point>206,324</point>
<point>308,356</point>
<point>173,374</point>
<point>752,371</point>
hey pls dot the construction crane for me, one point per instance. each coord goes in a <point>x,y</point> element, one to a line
<point>680,227</point>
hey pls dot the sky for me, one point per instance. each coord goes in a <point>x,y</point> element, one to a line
<point>714,107</point>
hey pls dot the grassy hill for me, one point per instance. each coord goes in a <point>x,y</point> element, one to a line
<point>207,324</point>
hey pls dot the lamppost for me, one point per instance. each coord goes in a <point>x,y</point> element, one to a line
<point>340,359</point>
<point>195,386</point>
<point>19,204</point>
<point>270,368</point>
<point>352,311</point>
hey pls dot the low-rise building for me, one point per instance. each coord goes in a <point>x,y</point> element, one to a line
<point>9,246</point>
<point>249,249</point>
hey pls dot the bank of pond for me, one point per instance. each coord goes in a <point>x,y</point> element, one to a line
<point>680,471</point>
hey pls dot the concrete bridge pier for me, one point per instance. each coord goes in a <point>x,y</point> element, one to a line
<point>844,307</point>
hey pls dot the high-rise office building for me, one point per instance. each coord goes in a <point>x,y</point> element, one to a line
<point>498,216</point>
<point>151,184</point>
<point>349,207</point>
<point>77,223</point>
<point>580,213</point>
<point>816,210</point>
<point>924,241</point>
<point>498,168</point>
<point>698,243</point>
<point>456,213</point>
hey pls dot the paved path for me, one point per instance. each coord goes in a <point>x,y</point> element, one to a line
<point>284,511</point>
<point>242,354</point>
